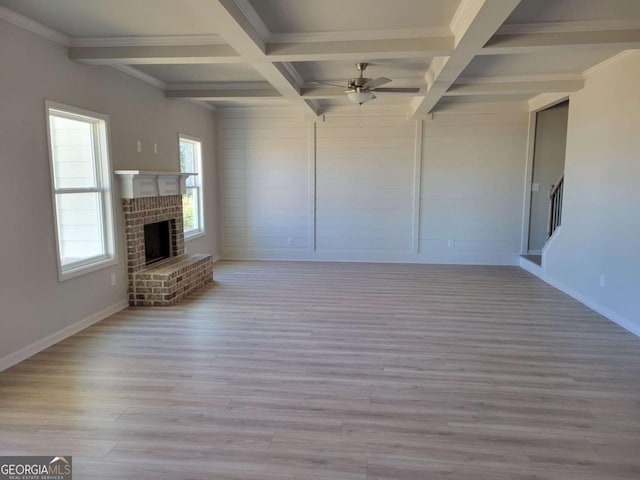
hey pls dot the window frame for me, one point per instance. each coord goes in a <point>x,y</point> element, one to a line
<point>199,185</point>
<point>100,137</point>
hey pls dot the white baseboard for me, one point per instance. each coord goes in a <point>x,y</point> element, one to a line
<point>304,255</point>
<point>604,311</point>
<point>30,350</point>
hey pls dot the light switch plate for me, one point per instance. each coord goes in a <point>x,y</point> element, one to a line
<point>535,187</point>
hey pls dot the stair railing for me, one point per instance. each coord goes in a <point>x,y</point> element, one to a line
<point>555,205</point>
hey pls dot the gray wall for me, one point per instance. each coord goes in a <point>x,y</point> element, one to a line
<point>600,229</point>
<point>548,165</point>
<point>34,303</point>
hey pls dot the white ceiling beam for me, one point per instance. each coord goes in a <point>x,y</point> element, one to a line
<point>223,94</point>
<point>359,49</point>
<point>186,54</point>
<point>493,106</point>
<point>513,88</point>
<point>474,23</point>
<point>235,21</point>
<point>553,41</point>
<point>546,100</point>
<point>323,92</point>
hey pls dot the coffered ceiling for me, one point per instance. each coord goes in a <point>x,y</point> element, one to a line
<point>263,52</point>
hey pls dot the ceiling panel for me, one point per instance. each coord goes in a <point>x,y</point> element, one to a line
<point>542,11</point>
<point>106,18</point>
<point>304,16</point>
<point>535,63</point>
<point>233,72</point>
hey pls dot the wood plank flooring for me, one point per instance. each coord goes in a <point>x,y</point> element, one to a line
<point>320,371</point>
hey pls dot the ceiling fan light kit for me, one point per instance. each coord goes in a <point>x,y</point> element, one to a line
<point>360,96</point>
<point>361,89</point>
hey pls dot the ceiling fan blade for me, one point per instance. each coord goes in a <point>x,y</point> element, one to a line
<point>376,83</point>
<point>397,90</point>
<point>327,83</point>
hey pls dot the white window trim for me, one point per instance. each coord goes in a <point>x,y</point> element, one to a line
<point>201,231</point>
<point>109,229</point>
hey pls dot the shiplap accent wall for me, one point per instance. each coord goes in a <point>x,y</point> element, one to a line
<point>364,166</point>
<point>472,188</point>
<point>372,187</point>
<point>265,183</point>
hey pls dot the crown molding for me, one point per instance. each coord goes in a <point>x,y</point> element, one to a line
<point>219,86</point>
<point>542,77</point>
<point>253,18</point>
<point>151,41</point>
<point>32,26</point>
<point>610,62</point>
<point>560,27</point>
<point>199,103</point>
<point>140,75</point>
<point>360,35</point>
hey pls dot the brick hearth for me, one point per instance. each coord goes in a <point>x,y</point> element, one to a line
<point>169,280</point>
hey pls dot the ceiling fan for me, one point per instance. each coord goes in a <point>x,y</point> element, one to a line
<point>360,89</point>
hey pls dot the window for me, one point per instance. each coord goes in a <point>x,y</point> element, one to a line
<point>191,162</point>
<point>80,176</point>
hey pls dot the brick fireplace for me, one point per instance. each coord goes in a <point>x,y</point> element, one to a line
<point>139,212</point>
<point>168,280</point>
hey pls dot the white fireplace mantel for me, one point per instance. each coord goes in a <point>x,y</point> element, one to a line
<point>140,183</point>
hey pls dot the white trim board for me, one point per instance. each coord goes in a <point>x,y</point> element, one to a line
<point>44,343</point>
<point>604,311</point>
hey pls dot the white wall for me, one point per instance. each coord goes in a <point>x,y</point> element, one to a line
<point>34,304</point>
<point>600,229</point>
<point>348,188</point>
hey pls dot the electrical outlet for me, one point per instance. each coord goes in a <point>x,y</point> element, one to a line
<point>139,146</point>
<point>290,241</point>
<point>451,243</point>
<point>602,280</point>
<point>155,148</point>
<point>113,280</point>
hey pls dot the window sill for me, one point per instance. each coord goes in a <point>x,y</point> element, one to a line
<point>195,234</point>
<point>64,275</point>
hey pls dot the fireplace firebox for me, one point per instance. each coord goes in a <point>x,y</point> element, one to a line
<point>157,242</point>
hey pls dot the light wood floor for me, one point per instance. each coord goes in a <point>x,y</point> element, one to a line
<point>317,371</point>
